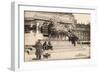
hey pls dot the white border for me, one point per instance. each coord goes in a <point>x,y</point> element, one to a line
<point>18,34</point>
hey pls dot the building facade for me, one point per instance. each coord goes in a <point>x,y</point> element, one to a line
<point>82,31</point>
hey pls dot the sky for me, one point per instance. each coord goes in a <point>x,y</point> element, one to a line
<point>82,18</point>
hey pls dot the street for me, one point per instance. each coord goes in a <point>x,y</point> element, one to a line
<point>62,50</point>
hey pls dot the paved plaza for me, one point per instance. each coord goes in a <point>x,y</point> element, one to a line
<point>62,50</point>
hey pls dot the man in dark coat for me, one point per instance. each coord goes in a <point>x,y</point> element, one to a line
<point>74,39</point>
<point>39,49</point>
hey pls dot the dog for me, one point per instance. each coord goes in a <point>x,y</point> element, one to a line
<point>46,55</point>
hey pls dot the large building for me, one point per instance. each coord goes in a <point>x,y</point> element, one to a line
<point>38,25</point>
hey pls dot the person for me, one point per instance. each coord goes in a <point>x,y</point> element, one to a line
<point>74,39</point>
<point>39,49</point>
<point>69,36</point>
<point>49,45</point>
<point>45,45</point>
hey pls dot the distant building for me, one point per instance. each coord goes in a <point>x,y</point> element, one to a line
<point>82,31</point>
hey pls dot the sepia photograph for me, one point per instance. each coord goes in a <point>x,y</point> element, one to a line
<point>56,36</point>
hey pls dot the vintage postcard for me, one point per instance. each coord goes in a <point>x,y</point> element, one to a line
<point>56,35</point>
